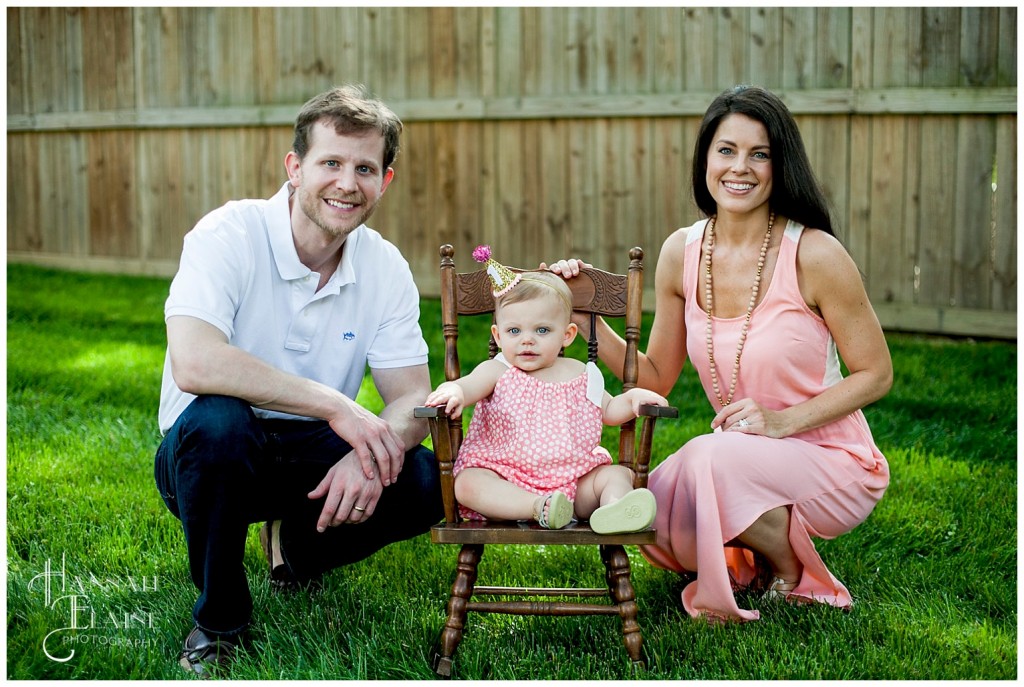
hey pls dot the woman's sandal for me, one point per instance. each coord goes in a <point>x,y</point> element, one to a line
<point>270,538</point>
<point>776,592</point>
<point>281,576</point>
<point>555,511</point>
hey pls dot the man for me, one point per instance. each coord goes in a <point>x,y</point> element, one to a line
<point>278,307</point>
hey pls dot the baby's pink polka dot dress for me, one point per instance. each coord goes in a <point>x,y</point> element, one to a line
<point>542,436</point>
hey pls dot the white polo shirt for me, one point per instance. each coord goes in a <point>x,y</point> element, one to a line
<point>240,272</point>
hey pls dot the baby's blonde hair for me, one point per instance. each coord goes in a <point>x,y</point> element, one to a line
<point>536,285</point>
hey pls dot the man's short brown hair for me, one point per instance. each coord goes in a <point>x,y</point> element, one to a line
<point>351,109</point>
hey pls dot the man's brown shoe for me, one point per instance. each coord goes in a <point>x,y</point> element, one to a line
<point>204,655</point>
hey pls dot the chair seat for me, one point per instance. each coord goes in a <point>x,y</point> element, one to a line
<point>490,532</point>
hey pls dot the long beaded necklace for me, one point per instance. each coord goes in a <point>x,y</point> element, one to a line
<point>708,303</point>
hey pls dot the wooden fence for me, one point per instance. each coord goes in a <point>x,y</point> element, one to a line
<point>546,132</point>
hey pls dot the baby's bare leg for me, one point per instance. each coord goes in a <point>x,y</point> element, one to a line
<point>601,486</point>
<point>492,496</point>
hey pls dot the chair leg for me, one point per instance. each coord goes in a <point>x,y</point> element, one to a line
<point>462,591</point>
<point>621,588</point>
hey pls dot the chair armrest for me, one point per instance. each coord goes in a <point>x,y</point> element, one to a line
<point>649,415</point>
<point>656,411</point>
<point>427,411</point>
<point>441,438</point>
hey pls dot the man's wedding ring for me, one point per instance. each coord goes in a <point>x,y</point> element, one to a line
<point>361,510</point>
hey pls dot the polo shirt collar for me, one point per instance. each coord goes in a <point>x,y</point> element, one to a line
<point>279,228</point>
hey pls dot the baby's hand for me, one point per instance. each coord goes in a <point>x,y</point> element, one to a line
<point>644,397</point>
<point>448,395</point>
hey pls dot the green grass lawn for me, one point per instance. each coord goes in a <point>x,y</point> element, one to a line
<point>933,571</point>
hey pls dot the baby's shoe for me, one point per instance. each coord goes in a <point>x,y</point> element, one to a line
<point>633,512</point>
<point>555,511</point>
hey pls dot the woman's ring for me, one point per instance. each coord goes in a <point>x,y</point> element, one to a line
<point>361,510</point>
<point>743,422</point>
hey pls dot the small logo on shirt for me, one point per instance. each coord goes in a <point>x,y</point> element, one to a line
<point>349,336</point>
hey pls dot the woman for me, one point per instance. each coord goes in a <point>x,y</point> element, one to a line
<point>763,296</point>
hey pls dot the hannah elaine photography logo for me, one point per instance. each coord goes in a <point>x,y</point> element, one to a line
<point>81,607</point>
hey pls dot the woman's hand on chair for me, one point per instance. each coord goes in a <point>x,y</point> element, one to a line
<point>567,269</point>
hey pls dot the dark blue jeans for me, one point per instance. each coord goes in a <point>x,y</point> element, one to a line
<point>220,468</point>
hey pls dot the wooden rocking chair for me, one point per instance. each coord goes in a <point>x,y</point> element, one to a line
<point>595,292</point>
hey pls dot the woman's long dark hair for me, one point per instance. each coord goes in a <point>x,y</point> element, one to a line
<point>796,193</point>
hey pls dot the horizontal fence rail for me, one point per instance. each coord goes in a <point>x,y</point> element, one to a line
<point>546,132</point>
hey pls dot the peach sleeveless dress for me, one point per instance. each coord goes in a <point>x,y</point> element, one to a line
<point>541,436</point>
<point>718,484</point>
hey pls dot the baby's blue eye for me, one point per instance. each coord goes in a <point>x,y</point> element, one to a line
<point>543,330</point>
<point>513,330</point>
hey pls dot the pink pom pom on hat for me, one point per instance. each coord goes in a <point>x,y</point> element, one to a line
<point>502,278</point>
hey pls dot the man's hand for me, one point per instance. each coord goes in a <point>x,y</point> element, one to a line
<point>378,448</point>
<point>351,496</point>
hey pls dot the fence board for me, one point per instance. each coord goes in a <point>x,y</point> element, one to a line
<point>732,64</point>
<point>44,57</point>
<point>637,60</point>
<point>584,200</point>
<point>891,58</point>
<point>512,195</point>
<point>798,52</point>
<point>700,50</point>
<point>975,152</point>
<point>764,67</point>
<point>910,249</point>
<point>935,235</point>
<point>555,189</point>
<point>467,51</point>
<point>1007,59</point>
<point>493,174</point>
<point>415,187</point>
<point>670,159</point>
<point>604,162</point>
<point>629,189</point>
<point>858,222</point>
<point>1004,218</point>
<point>861,31</point>
<point>468,184</point>
<point>668,51</point>
<point>72,71</point>
<point>979,49</point>
<point>833,47</point>
<point>24,222</point>
<point>442,52</point>
<point>508,46</point>
<point>940,46</point>
<point>888,277</point>
<point>830,162</point>
<point>17,99</point>
<point>111,215</point>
